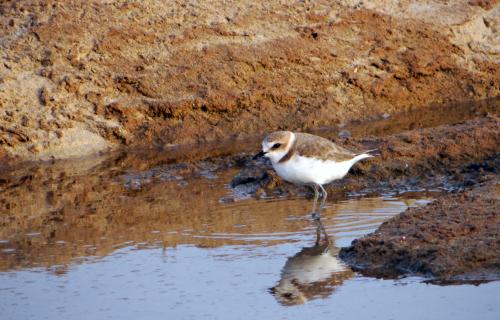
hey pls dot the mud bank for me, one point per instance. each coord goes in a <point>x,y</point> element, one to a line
<point>455,237</point>
<point>80,77</point>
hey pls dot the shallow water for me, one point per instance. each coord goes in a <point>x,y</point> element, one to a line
<point>82,244</point>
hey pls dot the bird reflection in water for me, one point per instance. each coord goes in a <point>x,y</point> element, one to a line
<point>314,272</point>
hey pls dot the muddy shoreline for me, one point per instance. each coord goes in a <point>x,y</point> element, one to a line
<point>146,96</point>
<point>160,152</point>
<point>455,238</point>
<point>85,194</point>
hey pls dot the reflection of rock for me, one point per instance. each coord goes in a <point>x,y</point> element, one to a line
<point>312,273</point>
<point>54,215</point>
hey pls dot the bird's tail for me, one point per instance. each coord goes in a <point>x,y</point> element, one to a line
<point>372,152</point>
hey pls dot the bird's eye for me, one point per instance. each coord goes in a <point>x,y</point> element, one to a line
<point>276,145</point>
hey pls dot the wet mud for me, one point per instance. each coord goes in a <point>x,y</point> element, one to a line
<point>455,238</point>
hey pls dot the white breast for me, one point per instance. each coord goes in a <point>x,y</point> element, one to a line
<point>310,269</point>
<point>304,170</point>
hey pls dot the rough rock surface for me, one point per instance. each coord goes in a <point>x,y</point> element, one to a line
<point>77,77</point>
<point>456,235</point>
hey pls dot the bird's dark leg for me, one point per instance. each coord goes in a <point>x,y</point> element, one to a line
<point>316,213</point>
<point>318,233</point>
<point>315,203</point>
<point>321,229</point>
<point>320,224</point>
<point>323,200</point>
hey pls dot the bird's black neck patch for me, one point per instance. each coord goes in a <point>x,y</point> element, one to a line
<point>290,152</point>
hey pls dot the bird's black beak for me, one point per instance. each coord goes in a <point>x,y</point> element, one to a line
<point>259,155</point>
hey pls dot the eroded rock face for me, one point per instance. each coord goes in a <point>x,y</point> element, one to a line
<point>183,72</point>
<point>455,236</point>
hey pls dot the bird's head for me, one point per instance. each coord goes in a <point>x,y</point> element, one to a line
<point>276,145</point>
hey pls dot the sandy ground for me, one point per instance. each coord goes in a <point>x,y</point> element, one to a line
<point>80,77</point>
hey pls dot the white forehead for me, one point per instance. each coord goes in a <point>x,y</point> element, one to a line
<point>266,144</point>
<point>269,141</point>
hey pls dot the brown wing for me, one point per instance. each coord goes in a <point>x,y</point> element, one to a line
<point>313,146</point>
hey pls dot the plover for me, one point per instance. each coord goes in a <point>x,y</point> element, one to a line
<point>306,159</point>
